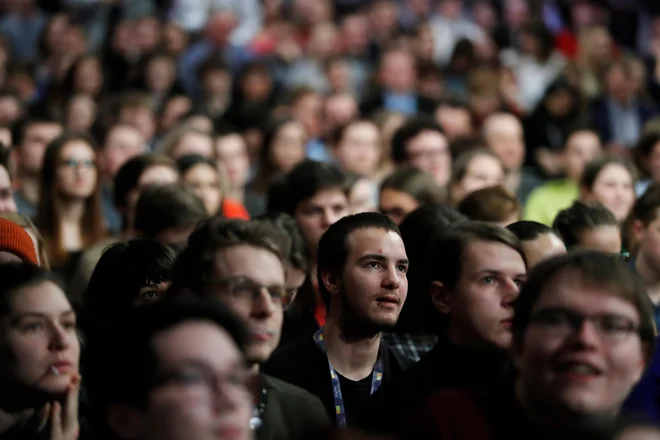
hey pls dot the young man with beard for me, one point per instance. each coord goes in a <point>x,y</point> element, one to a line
<point>244,265</point>
<point>473,276</point>
<point>582,335</point>
<point>362,265</point>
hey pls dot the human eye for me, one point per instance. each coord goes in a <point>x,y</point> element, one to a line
<point>615,324</point>
<point>373,265</point>
<point>69,324</point>
<point>402,268</point>
<point>31,326</point>
<point>189,376</point>
<point>488,279</point>
<point>149,294</point>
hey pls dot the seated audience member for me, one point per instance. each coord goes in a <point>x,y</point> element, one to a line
<point>494,204</point>
<point>362,266</point>
<point>69,214</point>
<point>539,241</point>
<point>362,194</point>
<point>610,181</point>
<point>16,245</point>
<point>7,202</point>
<point>185,140</point>
<point>357,147</point>
<point>473,277</point>
<point>29,227</point>
<point>646,153</point>
<point>588,226</point>
<point>418,327</point>
<point>40,353</point>
<point>583,334</point>
<point>243,264</point>
<point>503,134</point>
<point>582,147</point>
<point>473,170</point>
<point>209,183</point>
<point>455,119</point>
<point>421,143</point>
<point>187,376</point>
<point>168,214</point>
<point>641,231</point>
<point>405,190</point>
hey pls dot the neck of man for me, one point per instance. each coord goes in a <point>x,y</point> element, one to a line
<point>30,188</point>
<point>650,276</point>
<point>556,420</point>
<point>352,349</point>
<point>512,180</point>
<point>457,336</point>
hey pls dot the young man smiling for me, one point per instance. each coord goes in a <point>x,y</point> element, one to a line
<point>362,277</point>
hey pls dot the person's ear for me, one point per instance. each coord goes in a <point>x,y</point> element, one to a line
<point>331,282</point>
<point>441,297</point>
<point>637,230</point>
<point>125,422</point>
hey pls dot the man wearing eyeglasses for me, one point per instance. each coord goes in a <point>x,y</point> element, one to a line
<point>583,333</point>
<point>243,264</point>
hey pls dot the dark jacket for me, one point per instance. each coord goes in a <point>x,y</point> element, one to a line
<point>291,413</point>
<point>602,119</point>
<point>375,101</point>
<point>644,400</point>
<point>304,364</point>
<point>445,366</point>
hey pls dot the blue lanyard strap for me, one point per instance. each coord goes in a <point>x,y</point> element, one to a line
<point>376,380</point>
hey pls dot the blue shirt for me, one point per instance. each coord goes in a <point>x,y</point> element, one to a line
<point>406,103</point>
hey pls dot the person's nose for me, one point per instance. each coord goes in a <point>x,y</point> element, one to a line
<point>59,338</point>
<point>263,304</point>
<point>510,291</point>
<point>392,278</point>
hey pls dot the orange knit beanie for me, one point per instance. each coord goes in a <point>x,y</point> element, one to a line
<point>15,240</point>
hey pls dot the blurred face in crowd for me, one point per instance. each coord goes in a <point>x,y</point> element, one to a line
<point>160,74</point>
<point>89,77</point>
<point>153,175</point>
<point>81,113</point>
<point>315,215</point>
<point>581,353</point>
<point>216,82</point>
<point>175,39</point>
<point>307,109</point>
<point>363,196</point>
<point>652,163</point>
<point>251,280</point>
<point>560,103</point>
<point>358,150</point>
<point>605,238</point>
<point>618,83</point>
<point>232,155</point>
<point>141,118</point>
<point>581,148</point>
<point>203,179</point>
<point>504,135</point>
<point>38,335</point>
<point>429,151</point>
<point>10,110</point>
<point>175,109</point>
<point>613,188</point>
<point>203,391</point>
<point>5,137</point>
<point>194,143</point>
<point>398,72</point>
<point>77,174</point>
<point>373,285</point>
<point>122,143</point>
<point>339,110</point>
<point>480,305</point>
<point>456,122</point>
<point>541,248</point>
<point>257,85</point>
<point>483,171</point>
<point>397,204</point>
<point>7,203</point>
<point>36,138</point>
<point>288,147</point>
<point>647,238</point>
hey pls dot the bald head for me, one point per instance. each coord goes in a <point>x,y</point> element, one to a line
<point>503,134</point>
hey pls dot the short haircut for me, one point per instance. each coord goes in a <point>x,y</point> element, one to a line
<point>193,266</point>
<point>123,269</point>
<point>492,204</point>
<point>129,382</point>
<point>212,64</point>
<point>129,174</point>
<point>299,257</point>
<point>35,118</point>
<point>415,182</point>
<point>338,134</point>
<point>580,217</point>
<point>447,254</point>
<point>333,246</point>
<point>580,127</point>
<point>645,146</point>
<point>163,207</point>
<point>646,209</point>
<point>409,130</point>
<point>464,159</point>
<point>15,276</point>
<point>596,269</point>
<point>308,178</point>
<point>593,169</point>
<point>527,230</point>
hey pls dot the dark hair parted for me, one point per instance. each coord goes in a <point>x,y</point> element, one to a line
<point>595,269</point>
<point>192,269</point>
<point>571,222</point>
<point>298,257</point>
<point>333,246</point>
<point>464,159</point>
<point>646,209</point>
<point>129,383</point>
<point>162,207</point>
<point>645,146</point>
<point>447,252</point>
<point>416,183</point>
<point>409,130</point>
<point>492,204</point>
<point>129,174</point>
<point>593,169</point>
<point>307,179</point>
<point>527,230</point>
<point>16,276</point>
<point>418,231</point>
